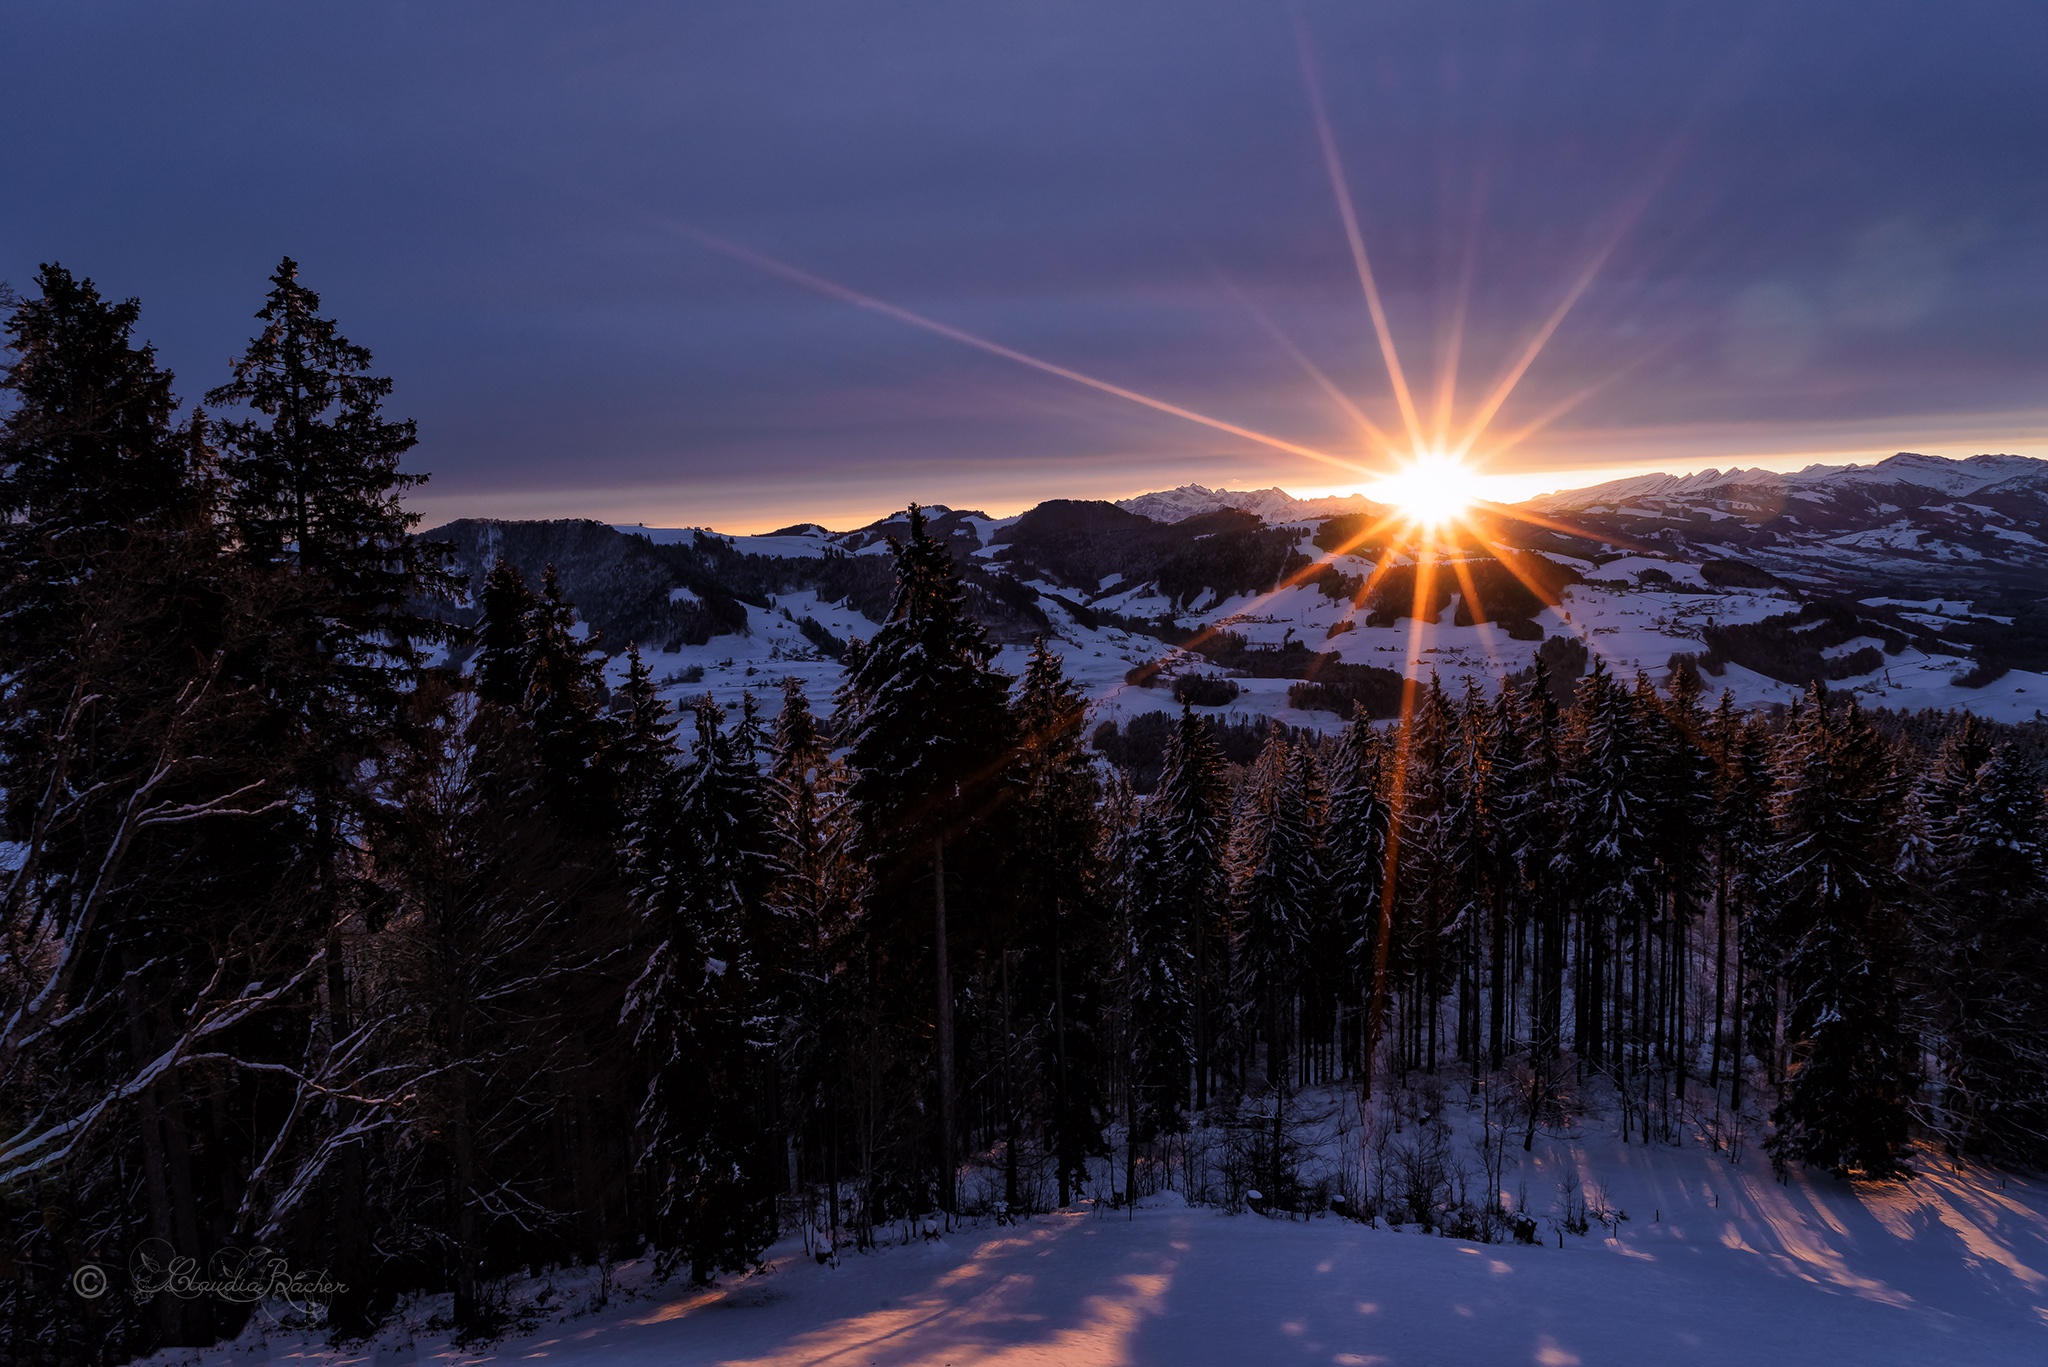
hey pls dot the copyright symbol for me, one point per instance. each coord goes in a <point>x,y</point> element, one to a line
<point>89,1281</point>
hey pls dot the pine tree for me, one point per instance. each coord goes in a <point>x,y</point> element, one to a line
<point>562,694</point>
<point>1614,869</point>
<point>87,449</point>
<point>1357,858</point>
<point>1151,962</point>
<point>1191,801</point>
<point>643,751</point>
<point>1739,827</point>
<point>698,881</point>
<point>1278,878</point>
<point>1983,947</point>
<point>930,724</point>
<point>501,635</point>
<point>1833,923</point>
<point>814,895</point>
<point>315,483</point>
<point>1053,886</point>
<point>1544,797</point>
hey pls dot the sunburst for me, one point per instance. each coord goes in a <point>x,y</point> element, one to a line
<point>1430,484</point>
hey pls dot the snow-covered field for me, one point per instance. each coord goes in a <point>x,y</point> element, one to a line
<point>1630,629</point>
<point>1716,1262</point>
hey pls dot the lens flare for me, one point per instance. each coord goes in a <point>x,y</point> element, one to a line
<point>1433,489</point>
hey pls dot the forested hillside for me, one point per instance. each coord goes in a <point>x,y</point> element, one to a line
<point>437,967</point>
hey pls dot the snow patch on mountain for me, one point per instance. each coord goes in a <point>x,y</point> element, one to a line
<point>1272,504</point>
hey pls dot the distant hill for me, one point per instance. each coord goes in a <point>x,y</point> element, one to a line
<point>1915,582</point>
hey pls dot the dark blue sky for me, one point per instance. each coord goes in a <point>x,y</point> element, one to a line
<point>1832,228</point>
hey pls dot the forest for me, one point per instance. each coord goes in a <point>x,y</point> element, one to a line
<point>436,974</point>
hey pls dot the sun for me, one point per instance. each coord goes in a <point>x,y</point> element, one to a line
<point>1432,489</point>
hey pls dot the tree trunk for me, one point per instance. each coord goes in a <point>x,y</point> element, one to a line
<point>1062,1116</point>
<point>1201,937</point>
<point>945,985</point>
<point>1009,1097</point>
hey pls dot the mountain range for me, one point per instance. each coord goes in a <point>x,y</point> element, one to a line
<point>1916,581</point>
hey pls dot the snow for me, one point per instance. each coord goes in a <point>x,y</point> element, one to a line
<point>1953,477</point>
<point>1271,505</point>
<point>1716,1262</point>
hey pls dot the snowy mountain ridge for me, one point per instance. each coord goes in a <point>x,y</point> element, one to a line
<point>1272,504</point>
<point>1914,582</point>
<point>1953,477</point>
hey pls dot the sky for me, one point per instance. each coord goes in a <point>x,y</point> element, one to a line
<point>666,263</point>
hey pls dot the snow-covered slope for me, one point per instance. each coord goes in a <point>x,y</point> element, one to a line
<point>1937,571</point>
<point>1715,1262</point>
<point>1912,521</point>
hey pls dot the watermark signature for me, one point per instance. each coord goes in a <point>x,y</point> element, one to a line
<point>250,1276</point>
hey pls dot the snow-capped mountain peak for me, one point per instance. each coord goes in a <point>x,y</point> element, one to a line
<point>1270,505</point>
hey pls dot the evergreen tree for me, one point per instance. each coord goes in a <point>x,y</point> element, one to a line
<point>1053,886</point>
<point>1278,880</point>
<point>1543,798</point>
<point>1151,962</point>
<point>501,635</point>
<point>1192,803</point>
<point>814,896</point>
<point>1357,858</point>
<point>1983,948</point>
<point>562,695</point>
<point>1614,869</point>
<point>1834,925</point>
<point>87,449</point>
<point>697,880</point>
<point>314,483</point>
<point>929,719</point>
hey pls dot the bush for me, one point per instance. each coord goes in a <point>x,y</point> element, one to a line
<point>1205,690</point>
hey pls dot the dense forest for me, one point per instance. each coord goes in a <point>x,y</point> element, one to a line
<point>432,974</point>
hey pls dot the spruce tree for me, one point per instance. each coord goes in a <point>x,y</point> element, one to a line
<point>1539,819</point>
<point>1152,964</point>
<point>930,724</point>
<point>1834,925</point>
<point>1357,855</point>
<point>1052,888</point>
<point>1614,868</point>
<point>315,483</point>
<point>813,896</point>
<point>1983,948</point>
<point>698,881</point>
<point>1192,803</point>
<point>1278,877</point>
<point>562,695</point>
<point>500,664</point>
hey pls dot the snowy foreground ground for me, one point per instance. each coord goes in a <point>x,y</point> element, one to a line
<point>1715,1263</point>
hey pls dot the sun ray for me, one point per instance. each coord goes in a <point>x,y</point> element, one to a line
<point>1340,187</point>
<point>1425,589</point>
<point>1625,221</point>
<point>797,275</point>
<point>1476,610</point>
<point>1447,368</point>
<point>1372,430</point>
<point>1483,417</point>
